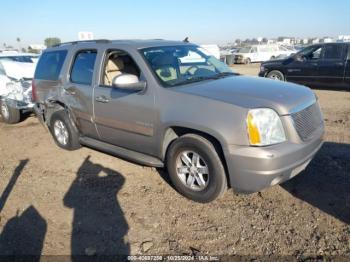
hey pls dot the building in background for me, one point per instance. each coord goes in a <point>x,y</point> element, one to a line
<point>344,38</point>
<point>36,48</point>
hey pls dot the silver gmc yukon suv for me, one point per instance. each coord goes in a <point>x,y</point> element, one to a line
<point>171,104</point>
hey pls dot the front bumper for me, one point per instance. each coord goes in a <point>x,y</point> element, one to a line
<point>239,60</point>
<point>262,73</point>
<point>252,169</point>
<point>21,105</point>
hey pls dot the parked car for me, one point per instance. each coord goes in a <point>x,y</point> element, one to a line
<point>169,104</point>
<point>213,50</point>
<point>260,53</point>
<point>321,65</point>
<point>15,89</point>
<point>19,57</point>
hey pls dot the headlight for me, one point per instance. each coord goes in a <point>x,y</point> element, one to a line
<point>264,127</point>
<point>262,68</point>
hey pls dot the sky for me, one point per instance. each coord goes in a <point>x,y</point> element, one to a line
<point>203,21</point>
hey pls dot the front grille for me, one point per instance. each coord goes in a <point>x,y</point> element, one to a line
<point>307,121</point>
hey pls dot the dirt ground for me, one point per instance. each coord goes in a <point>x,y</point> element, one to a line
<point>57,202</point>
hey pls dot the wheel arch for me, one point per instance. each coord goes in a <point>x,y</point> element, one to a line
<point>174,132</point>
<point>52,107</point>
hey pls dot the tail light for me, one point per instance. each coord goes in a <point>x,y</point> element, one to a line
<point>34,96</point>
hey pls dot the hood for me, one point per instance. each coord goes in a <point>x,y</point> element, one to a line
<point>253,92</point>
<point>282,61</point>
<point>18,70</point>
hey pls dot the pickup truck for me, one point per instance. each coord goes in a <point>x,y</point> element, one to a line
<point>322,65</point>
<point>171,104</point>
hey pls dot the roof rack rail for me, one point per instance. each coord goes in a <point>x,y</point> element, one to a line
<point>98,41</point>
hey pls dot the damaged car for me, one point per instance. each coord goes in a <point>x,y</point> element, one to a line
<point>15,89</point>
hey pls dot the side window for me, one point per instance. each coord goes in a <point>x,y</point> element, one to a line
<point>2,70</point>
<point>254,50</point>
<point>50,65</point>
<point>83,67</point>
<point>333,52</point>
<point>314,54</point>
<point>118,62</point>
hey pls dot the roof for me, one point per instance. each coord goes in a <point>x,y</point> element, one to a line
<point>137,44</point>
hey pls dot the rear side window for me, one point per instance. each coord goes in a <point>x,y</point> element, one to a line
<point>333,52</point>
<point>50,65</point>
<point>83,67</point>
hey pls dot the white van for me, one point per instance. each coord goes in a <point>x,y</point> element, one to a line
<point>260,53</point>
<point>214,50</point>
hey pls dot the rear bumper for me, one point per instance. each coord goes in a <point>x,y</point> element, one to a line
<point>252,169</point>
<point>39,113</point>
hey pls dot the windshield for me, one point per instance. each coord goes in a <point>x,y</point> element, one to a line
<point>244,50</point>
<point>22,59</point>
<point>178,65</point>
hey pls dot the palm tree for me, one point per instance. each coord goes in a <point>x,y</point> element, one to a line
<point>18,40</point>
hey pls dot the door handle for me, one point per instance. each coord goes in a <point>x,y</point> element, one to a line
<point>69,90</point>
<point>102,99</point>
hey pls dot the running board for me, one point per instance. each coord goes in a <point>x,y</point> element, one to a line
<point>124,153</point>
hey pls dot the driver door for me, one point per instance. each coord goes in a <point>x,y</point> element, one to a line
<point>123,118</point>
<point>304,68</point>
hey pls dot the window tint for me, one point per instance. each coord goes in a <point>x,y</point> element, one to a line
<point>49,65</point>
<point>333,51</point>
<point>311,53</point>
<point>83,67</point>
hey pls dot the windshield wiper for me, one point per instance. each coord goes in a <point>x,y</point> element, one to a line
<point>203,78</point>
<point>193,80</point>
<point>224,74</point>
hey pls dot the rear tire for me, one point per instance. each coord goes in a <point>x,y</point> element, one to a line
<point>247,61</point>
<point>276,75</point>
<point>195,168</point>
<point>9,114</point>
<point>63,131</point>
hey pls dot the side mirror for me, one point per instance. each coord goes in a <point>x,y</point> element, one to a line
<point>128,82</point>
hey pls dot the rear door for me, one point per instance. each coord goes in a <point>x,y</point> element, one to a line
<point>304,69</point>
<point>78,89</point>
<point>331,67</point>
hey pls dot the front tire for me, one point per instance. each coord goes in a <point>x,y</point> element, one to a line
<point>195,168</point>
<point>247,61</point>
<point>276,75</point>
<point>9,114</point>
<point>63,131</point>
